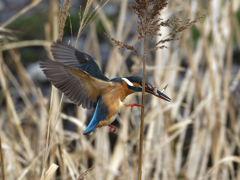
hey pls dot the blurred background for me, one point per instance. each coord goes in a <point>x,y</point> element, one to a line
<point>196,136</point>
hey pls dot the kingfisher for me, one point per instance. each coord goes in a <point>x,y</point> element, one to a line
<point>78,76</point>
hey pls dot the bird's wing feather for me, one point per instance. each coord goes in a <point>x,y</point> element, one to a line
<point>76,84</point>
<point>99,115</point>
<point>70,56</point>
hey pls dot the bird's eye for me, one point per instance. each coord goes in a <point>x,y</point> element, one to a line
<point>147,86</point>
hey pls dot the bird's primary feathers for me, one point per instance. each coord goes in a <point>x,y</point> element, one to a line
<point>75,73</point>
<point>78,76</point>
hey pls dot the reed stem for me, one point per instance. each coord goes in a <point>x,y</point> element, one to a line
<point>2,160</point>
<point>143,104</point>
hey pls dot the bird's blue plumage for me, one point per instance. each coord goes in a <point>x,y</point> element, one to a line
<point>92,69</point>
<point>99,115</point>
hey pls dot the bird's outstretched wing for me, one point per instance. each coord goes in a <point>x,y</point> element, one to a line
<point>99,115</point>
<point>70,56</point>
<point>76,74</point>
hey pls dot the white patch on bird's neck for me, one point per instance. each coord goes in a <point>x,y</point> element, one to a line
<point>121,103</point>
<point>127,81</point>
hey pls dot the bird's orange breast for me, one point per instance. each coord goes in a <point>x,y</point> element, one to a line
<point>113,97</point>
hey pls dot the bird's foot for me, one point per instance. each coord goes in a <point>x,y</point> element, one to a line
<point>112,128</point>
<point>132,105</point>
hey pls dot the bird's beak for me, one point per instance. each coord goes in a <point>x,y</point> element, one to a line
<point>158,93</point>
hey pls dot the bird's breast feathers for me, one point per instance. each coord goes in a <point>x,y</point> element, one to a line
<point>113,109</point>
<point>113,97</point>
<point>106,122</point>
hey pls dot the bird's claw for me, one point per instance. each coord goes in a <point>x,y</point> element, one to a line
<point>132,105</point>
<point>112,128</point>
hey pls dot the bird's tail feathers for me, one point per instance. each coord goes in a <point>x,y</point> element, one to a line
<point>90,128</point>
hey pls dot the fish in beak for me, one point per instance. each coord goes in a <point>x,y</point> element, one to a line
<point>154,91</point>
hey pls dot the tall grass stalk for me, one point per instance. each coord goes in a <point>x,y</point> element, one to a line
<point>2,160</point>
<point>143,102</point>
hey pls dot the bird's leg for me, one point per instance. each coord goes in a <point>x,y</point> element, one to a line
<point>112,128</point>
<point>132,105</point>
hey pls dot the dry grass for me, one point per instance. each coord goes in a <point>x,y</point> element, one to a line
<point>196,136</point>
<point>149,28</point>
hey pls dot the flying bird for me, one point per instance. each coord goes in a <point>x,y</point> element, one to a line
<point>78,76</point>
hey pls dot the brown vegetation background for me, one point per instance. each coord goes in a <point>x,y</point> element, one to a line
<point>196,136</point>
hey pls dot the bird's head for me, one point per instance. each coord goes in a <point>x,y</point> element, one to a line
<point>135,84</point>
